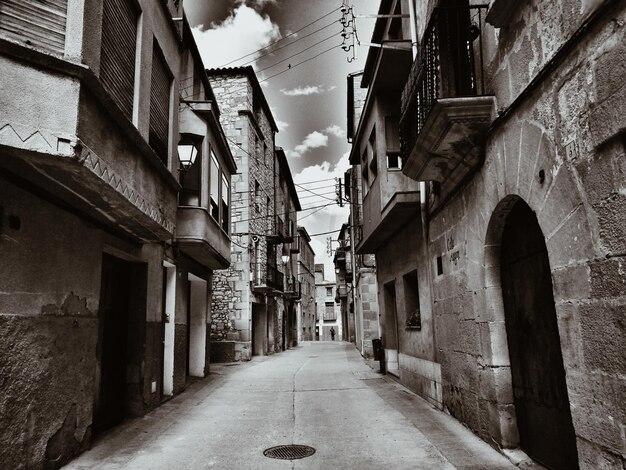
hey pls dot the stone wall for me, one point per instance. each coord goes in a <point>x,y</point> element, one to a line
<point>562,153</point>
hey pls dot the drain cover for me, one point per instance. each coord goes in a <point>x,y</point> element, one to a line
<point>289,452</point>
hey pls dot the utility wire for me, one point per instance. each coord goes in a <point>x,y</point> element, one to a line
<point>283,38</point>
<point>290,44</point>
<point>299,63</point>
<point>297,53</point>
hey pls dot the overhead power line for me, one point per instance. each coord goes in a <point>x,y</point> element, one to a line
<point>290,44</point>
<point>283,38</point>
<point>297,53</point>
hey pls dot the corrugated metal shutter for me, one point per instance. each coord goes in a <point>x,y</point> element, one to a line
<point>40,23</point>
<point>117,59</point>
<point>159,104</point>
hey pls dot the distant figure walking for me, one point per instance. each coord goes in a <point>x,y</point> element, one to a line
<point>332,333</point>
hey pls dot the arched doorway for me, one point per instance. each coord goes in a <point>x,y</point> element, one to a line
<point>538,377</point>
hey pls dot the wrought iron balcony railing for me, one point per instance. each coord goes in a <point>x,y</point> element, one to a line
<point>449,65</point>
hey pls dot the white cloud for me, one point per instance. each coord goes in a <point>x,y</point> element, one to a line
<point>335,130</point>
<point>312,141</point>
<point>244,31</point>
<point>282,125</point>
<point>303,91</point>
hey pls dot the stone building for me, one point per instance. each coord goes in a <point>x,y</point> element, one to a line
<point>91,224</point>
<point>249,297</point>
<point>287,208</point>
<point>306,278</point>
<point>328,312</point>
<point>513,115</point>
<point>342,260</point>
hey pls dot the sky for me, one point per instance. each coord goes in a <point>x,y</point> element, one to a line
<point>307,94</point>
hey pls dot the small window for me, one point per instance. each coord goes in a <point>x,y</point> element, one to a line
<point>411,301</point>
<point>329,312</point>
<point>225,202</point>
<point>215,187</point>
<point>329,292</point>
<point>439,266</point>
<point>257,196</point>
<point>394,162</point>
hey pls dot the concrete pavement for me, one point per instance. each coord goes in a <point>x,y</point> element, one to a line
<point>319,394</point>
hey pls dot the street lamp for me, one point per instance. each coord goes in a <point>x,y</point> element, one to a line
<point>187,152</point>
<point>285,255</point>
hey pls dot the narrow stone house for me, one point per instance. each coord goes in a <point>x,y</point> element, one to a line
<point>306,278</point>
<point>89,170</point>
<point>248,302</point>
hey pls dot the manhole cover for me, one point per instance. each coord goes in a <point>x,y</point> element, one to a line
<point>289,452</point>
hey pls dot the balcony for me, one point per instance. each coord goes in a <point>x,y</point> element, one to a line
<point>295,245</point>
<point>70,140</point>
<point>267,281</point>
<point>200,237</point>
<point>445,113</point>
<point>293,288</point>
<point>278,236</point>
<point>342,291</point>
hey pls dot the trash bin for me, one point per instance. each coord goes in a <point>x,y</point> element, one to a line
<point>379,353</point>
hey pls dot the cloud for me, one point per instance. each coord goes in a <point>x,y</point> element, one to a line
<point>282,125</point>
<point>335,130</point>
<point>244,31</point>
<point>304,91</point>
<point>312,141</point>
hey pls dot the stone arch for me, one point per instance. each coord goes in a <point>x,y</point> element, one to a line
<point>513,428</point>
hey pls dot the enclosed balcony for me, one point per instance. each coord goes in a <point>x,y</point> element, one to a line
<point>67,128</point>
<point>203,215</point>
<point>267,279</point>
<point>293,288</point>
<point>445,111</point>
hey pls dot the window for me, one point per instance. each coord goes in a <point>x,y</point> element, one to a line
<point>411,301</point>
<point>394,161</point>
<point>191,180</point>
<point>214,187</point>
<point>118,52</point>
<point>329,311</point>
<point>329,292</point>
<point>257,196</point>
<point>392,141</point>
<point>373,155</point>
<point>225,200</point>
<point>160,85</point>
<point>36,23</point>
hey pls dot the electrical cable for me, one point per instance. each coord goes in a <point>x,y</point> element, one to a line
<point>291,43</point>
<point>283,38</point>
<point>297,53</point>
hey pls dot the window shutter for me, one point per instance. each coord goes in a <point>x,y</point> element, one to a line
<point>40,23</point>
<point>117,59</point>
<point>159,104</point>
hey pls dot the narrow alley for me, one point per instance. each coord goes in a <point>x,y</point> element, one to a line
<point>320,394</point>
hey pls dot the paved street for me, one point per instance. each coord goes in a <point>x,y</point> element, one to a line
<point>320,394</point>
